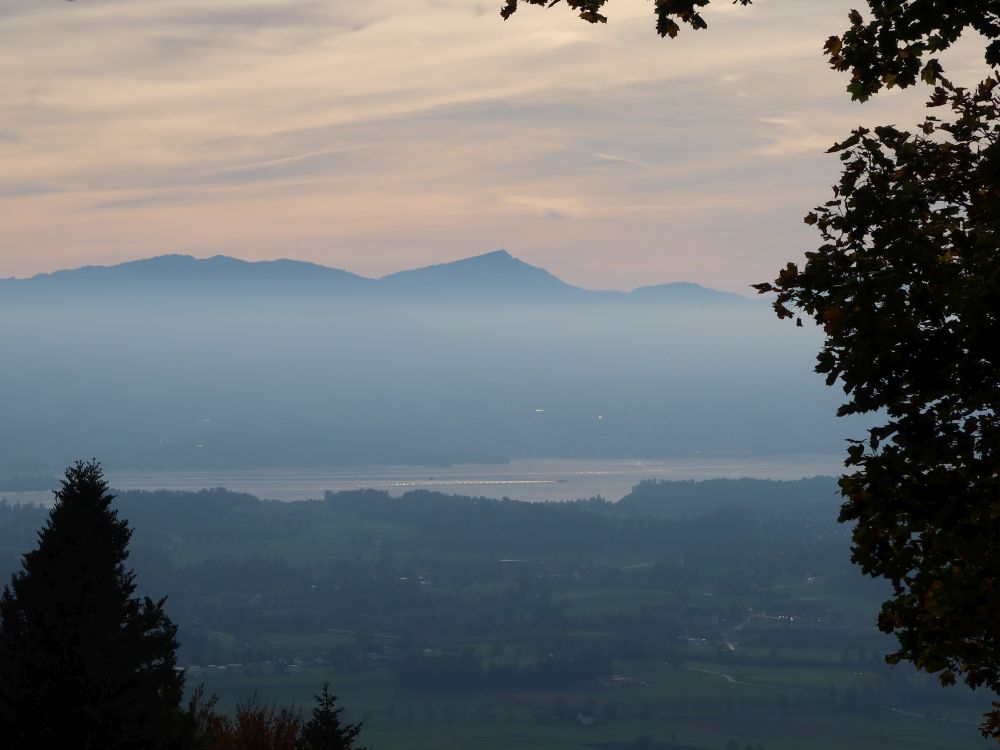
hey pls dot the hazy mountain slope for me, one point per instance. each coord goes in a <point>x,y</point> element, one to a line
<point>183,275</point>
<point>687,498</point>
<point>686,293</point>
<point>496,275</point>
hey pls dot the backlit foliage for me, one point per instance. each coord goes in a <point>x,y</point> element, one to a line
<point>907,289</point>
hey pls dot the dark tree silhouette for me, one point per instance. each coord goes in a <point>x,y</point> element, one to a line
<point>83,663</point>
<point>907,288</point>
<point>324,731</point>
<point>894,46</point>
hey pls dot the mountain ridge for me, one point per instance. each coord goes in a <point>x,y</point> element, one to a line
<point>496,274</point>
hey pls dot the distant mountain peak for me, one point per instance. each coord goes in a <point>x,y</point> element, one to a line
<point>493,258</point>
<point>500,254</point>
<point>494,274</point>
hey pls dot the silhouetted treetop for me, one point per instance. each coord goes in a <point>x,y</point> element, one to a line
<point>83,663</point>
<point>325,730</point>
<point>896,44</point>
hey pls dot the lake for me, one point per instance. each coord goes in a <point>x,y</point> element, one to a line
<point>521,479</point>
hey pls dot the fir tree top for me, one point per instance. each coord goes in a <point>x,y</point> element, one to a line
<point>83,663</point>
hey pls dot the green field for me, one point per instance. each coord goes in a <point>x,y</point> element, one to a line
<point>677,706</point>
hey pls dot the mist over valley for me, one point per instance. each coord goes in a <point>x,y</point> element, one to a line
<point>174,362</point>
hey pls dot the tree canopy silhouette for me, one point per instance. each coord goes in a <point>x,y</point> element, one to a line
<point>906,286</point>
<point>907,289</point>
<point>84,663</point>
<point>325,731</point>
<point>895,46</point>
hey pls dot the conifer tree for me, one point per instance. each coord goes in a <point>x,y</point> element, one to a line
<point>324,730</point>
<point>84,663</point>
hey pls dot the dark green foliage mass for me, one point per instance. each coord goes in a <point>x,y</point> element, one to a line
<point>907,288</point>
<point>83,663</point>
<point>324,731</point>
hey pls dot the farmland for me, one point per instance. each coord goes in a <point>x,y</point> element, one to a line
<point>446,621</point>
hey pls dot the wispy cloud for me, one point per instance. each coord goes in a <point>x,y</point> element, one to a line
<point>393,133</point>
<point>624,160</point>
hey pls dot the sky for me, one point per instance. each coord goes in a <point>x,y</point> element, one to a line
<point>388,134</point>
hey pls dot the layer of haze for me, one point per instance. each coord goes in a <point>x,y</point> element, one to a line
<point>172,364</point>
<point>391,133</point>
